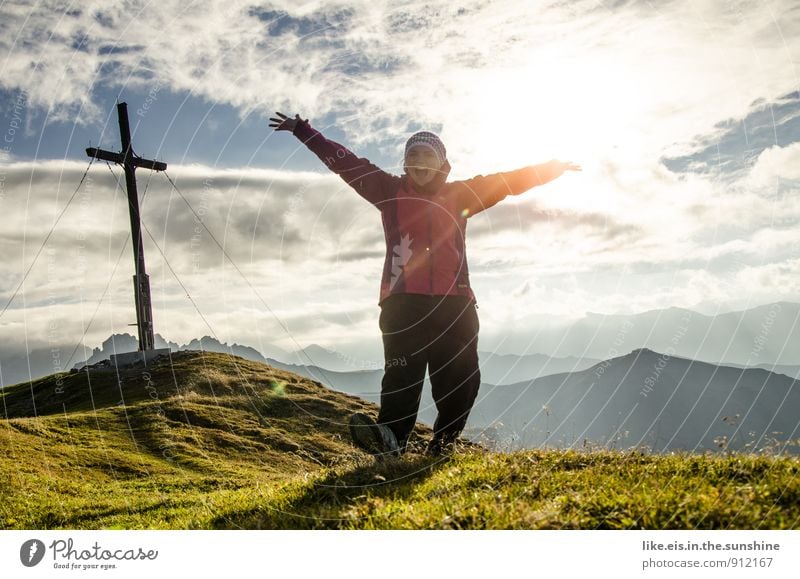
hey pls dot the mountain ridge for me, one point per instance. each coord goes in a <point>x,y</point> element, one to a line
<point>667,403</point>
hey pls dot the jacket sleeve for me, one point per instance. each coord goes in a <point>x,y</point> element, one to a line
<point>369,181</point>
<point>481,192</point>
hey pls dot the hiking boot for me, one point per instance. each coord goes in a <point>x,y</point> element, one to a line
<point>438,447</point>
<point>376,439</point>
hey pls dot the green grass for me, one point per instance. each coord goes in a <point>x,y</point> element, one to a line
<point>215,441</point>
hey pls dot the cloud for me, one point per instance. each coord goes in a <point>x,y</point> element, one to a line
<point>736,145</point>
<point>313,250</point>
<point>774,164</point>
<point>642,95</point>
<point>255,214</point>
<point>366,61</point>
<point>778,279</point>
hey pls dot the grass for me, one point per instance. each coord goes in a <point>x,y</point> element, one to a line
<point>212,441</point>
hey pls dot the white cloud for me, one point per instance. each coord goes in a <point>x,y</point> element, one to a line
<point>638,76</point>
<point>312,250</point>
<point>615,89</point>
<point>775,164</point>
<point>776,279</point>
<point>310,261</point>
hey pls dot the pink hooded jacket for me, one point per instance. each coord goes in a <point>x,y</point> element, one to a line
<point>425,228</point>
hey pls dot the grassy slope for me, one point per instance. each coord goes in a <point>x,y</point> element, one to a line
<point>216,441</point>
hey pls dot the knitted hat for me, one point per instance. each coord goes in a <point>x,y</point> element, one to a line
<point>430,140</point>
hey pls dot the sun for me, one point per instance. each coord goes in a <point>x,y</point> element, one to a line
<point>588,111</point>
<point>569,109</point>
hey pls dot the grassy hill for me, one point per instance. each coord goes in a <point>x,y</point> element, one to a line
<point>216,441</point>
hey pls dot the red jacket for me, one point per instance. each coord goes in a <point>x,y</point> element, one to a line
<point>424,229</point>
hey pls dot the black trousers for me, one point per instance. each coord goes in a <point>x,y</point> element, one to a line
<point>437,332</point>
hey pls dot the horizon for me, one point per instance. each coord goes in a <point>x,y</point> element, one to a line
<point>686,120</point>
<point>373,360</point>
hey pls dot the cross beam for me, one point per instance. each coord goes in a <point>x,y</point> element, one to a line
<point>141,281</point>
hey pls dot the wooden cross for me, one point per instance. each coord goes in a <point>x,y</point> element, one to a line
<point>141,281</point>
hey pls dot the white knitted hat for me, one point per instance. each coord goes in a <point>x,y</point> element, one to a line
<point>430,140</point>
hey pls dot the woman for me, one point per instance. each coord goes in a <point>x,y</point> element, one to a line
<point>428,310</point>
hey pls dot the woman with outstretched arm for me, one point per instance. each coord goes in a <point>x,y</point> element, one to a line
<point>428,316</point>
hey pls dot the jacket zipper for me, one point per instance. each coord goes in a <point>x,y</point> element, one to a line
<point>430,249</point>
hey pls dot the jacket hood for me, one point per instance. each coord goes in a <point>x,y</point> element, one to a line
<point>434,185</point>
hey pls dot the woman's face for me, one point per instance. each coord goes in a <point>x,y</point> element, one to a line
<point>422,164</point>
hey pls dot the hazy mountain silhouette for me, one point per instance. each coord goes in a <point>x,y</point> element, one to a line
<point>349,375</point>
<point>330,359</point>
<point>646,398</point>
<point>209,344</point>
<point>17,368</point>
<point>38,363</point>
<point>791,371</point>
<point>763,337</point>
<point>768,334</point>
<point>512,368</point>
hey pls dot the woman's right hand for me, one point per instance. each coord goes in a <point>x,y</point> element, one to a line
<point>284,123</point>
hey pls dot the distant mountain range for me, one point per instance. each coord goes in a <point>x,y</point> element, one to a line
<point>768,334</point>
<point>645,399</point>
<point>496,368</point>
<point>43,362</point>
<point>791,371</point>
<point>648,399</point>
<point>672,394</point>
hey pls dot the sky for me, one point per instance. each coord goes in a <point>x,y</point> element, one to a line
<point>684,115</point>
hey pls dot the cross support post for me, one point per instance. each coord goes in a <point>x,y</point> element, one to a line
<point>141,281</point>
